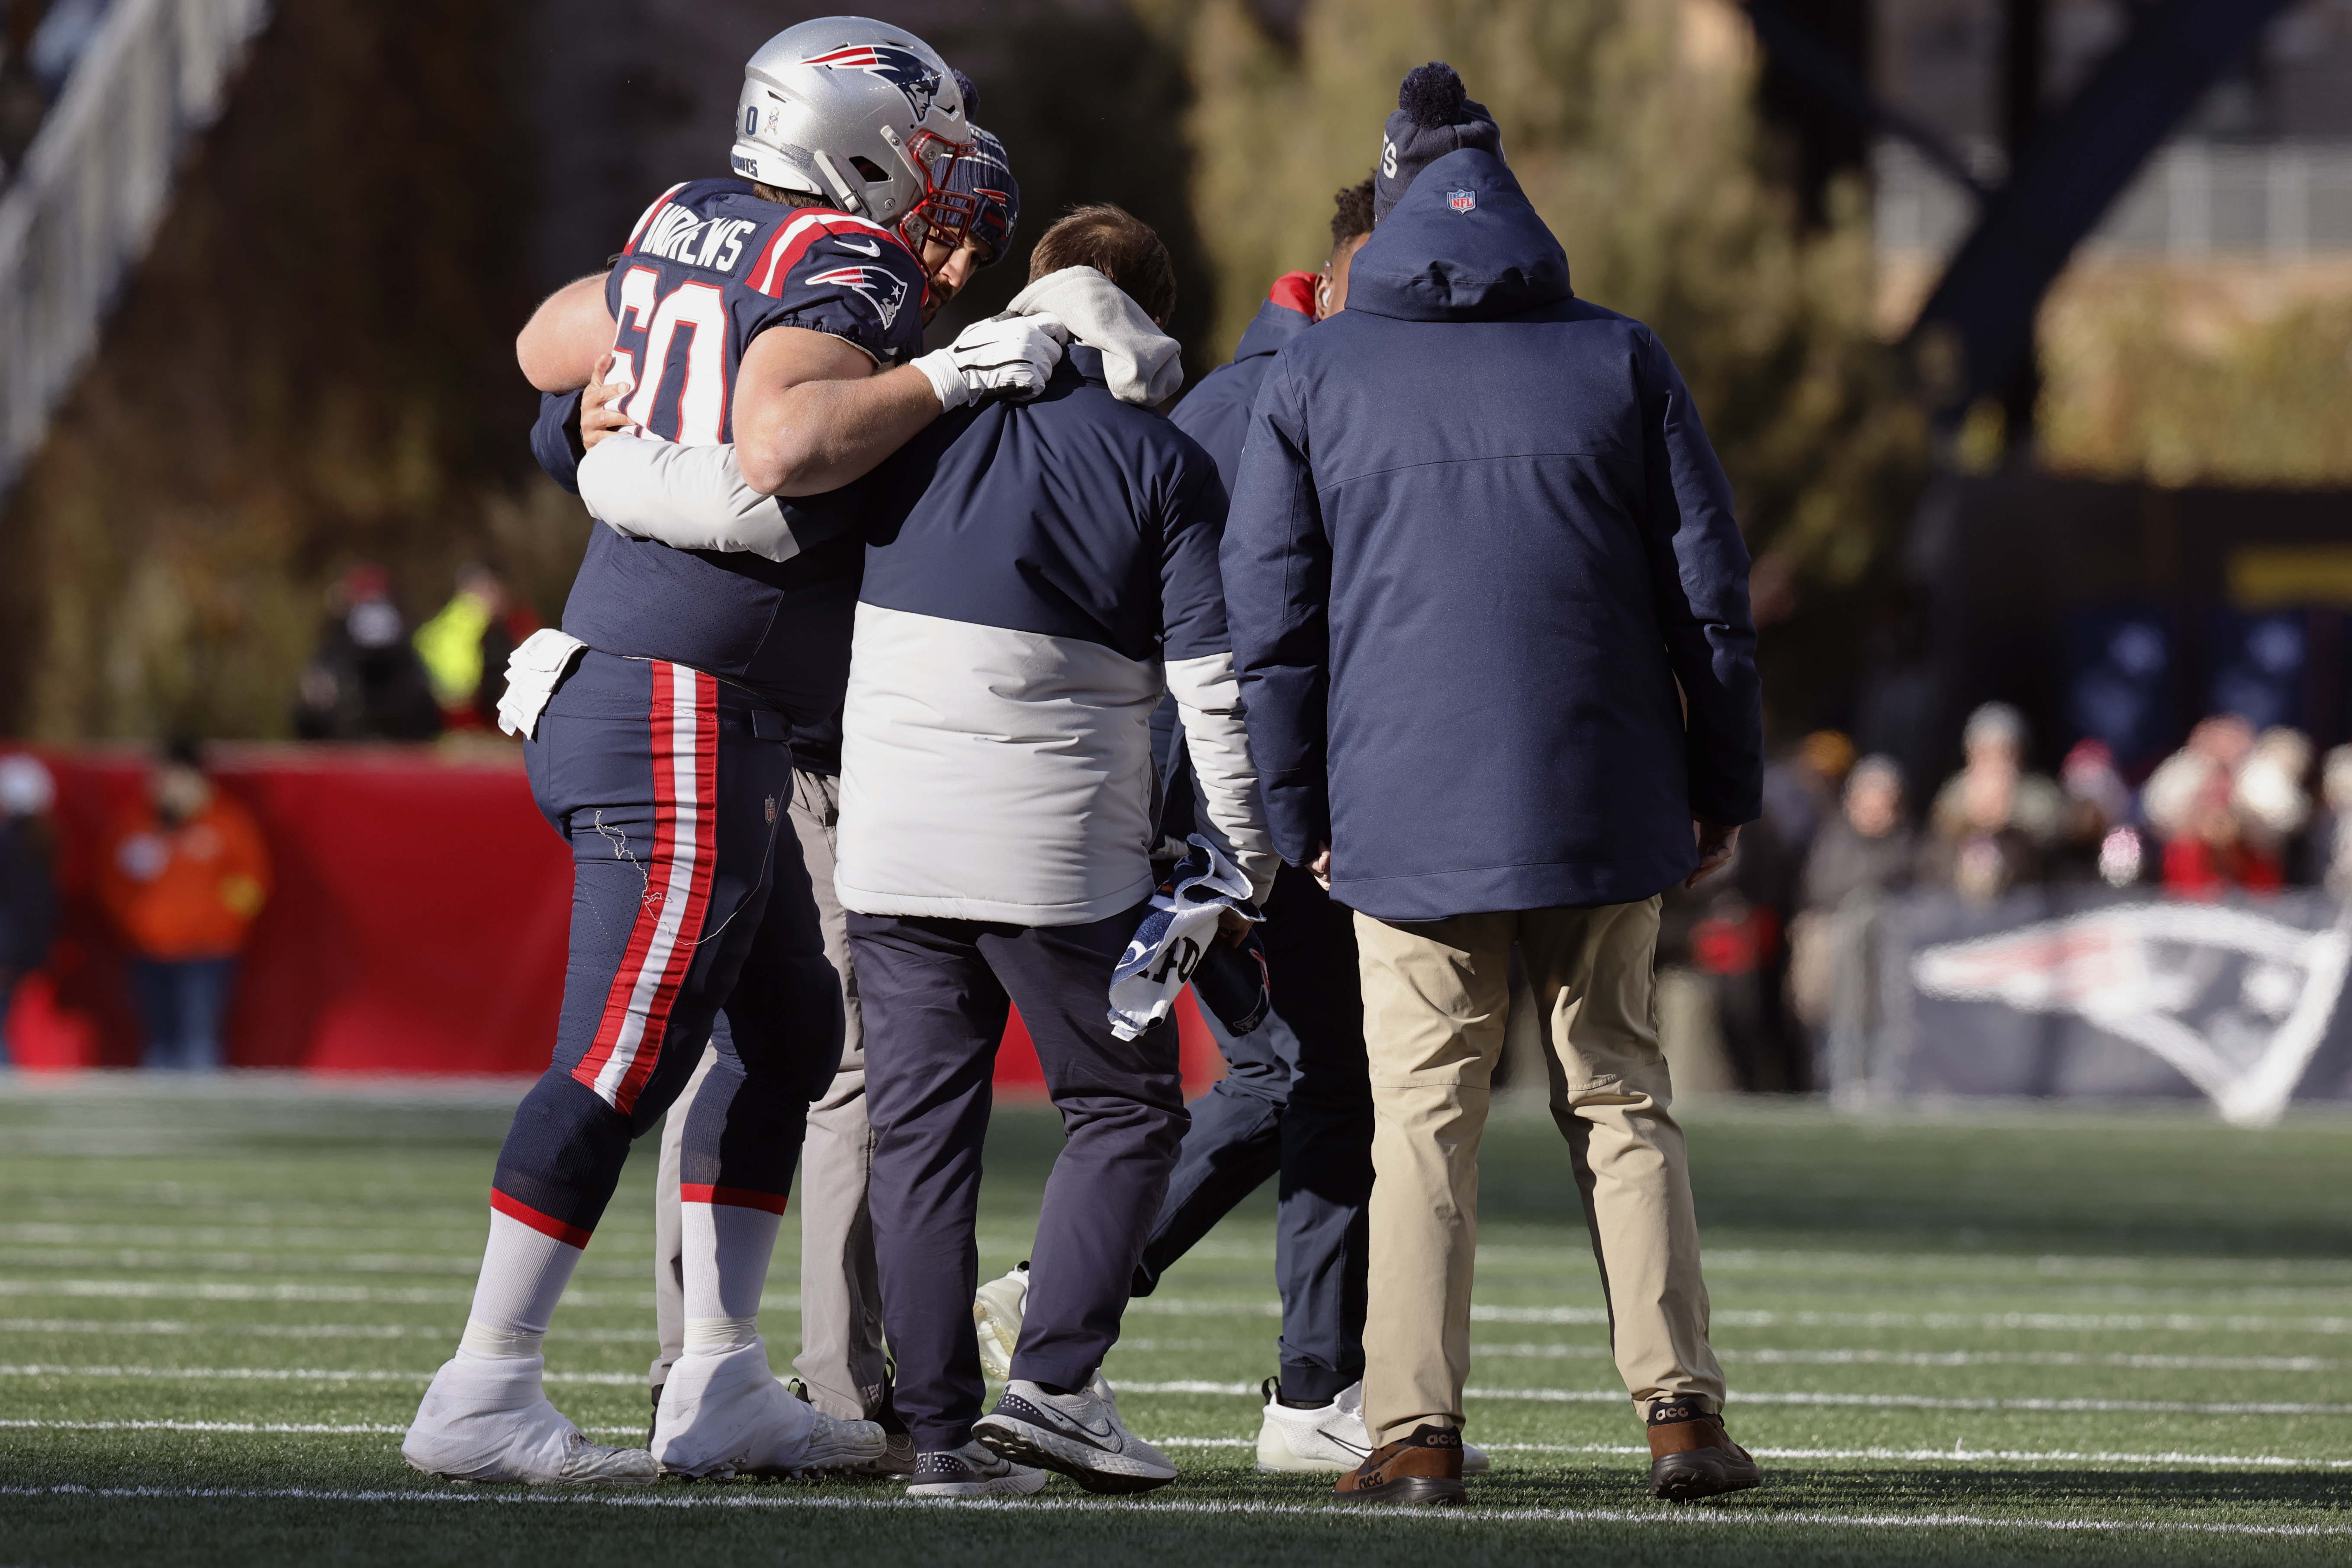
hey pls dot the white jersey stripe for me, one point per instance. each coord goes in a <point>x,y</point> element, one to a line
<point>688,733</point>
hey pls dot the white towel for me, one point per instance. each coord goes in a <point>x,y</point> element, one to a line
<point>534,670</point>
<point>1141,364</point>
<point>1175,935</point>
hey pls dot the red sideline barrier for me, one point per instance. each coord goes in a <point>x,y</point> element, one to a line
<point>418,925</point>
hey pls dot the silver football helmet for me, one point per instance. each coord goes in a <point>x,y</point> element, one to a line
<point>860,114</point>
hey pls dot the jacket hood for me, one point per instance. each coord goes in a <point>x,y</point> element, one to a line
<point>1464,244</point>
<point>1275,324</point>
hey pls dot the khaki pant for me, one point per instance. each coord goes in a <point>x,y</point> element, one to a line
<point>840,1303</point>
<point>1436,997</point>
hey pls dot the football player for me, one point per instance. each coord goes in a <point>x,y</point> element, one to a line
<point>841,1363</point>
<point>782,311</point>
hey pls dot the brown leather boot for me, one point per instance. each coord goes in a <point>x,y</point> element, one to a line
<point>1424,1469</point>
<point>1691,1455</point>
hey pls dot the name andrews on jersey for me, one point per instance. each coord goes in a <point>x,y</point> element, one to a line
<point>714,243</point>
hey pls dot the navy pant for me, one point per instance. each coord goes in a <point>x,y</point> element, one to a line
<point>934,996</point>
<point>181,1003</point>
<point>1298,1103</point>
<point>690,906</point>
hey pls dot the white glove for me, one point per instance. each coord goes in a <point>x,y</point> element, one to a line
<point>1011,357</point>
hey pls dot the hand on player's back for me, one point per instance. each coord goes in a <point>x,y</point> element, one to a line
<point>600,404</point>
<point>1013,358</point>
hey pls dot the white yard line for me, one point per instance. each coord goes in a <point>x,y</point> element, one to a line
<point>1189,1385</point>
<point>1845,1357</point>
<point>1907,1455</point>
<point>2053,1322</point>
<point>213,1290</point>
<point>287,1374</point>
<point>1730,1517</point>
<point>1908,1402</point>
<point>431,1332</point>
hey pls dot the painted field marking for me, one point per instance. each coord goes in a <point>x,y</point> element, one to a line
<point>287,1374</point>
<point>2053,1322</point>
<point>1839,1357</point>
<point>1190,1385</point>
<point>420,1296</point>
<point>291,1330</point>
<point>1910,1456</point>
<point>1910,1401</point>
<point>1666,1515</point>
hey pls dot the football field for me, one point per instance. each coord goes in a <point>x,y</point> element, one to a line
<point>2020,1336</point>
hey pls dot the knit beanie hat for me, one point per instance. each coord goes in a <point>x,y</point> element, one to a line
<point>1435,116</point>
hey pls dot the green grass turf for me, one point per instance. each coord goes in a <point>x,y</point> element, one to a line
<point>2012,1337</point>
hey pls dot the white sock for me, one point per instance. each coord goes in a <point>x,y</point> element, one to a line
<point>524,1272</point>
<point>724,1249</point>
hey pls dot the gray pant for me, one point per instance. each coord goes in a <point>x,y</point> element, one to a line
<point>840,1303</point>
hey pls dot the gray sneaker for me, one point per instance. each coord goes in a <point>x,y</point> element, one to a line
<point>1077,1433</point>
<point>971,1471</point>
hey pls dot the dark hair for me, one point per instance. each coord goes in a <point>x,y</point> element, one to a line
<point>185,752</point>
<point>1352,213</point>
<point>782,197</point>
<point>1117,244</point>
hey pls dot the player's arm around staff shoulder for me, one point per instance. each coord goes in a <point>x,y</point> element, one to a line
<point>559,347</point>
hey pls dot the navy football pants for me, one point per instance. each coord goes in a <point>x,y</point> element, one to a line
<point>689,902</point>
<point>1298,1103</point>
<point>934,995</point>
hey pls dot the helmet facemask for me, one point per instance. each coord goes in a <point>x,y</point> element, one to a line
<point>942,216</point>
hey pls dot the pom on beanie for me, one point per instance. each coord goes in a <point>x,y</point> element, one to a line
<point>1432,96</point>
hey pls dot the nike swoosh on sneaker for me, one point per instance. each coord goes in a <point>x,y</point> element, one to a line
<point>1067,1425</point>
<point>863,247</point>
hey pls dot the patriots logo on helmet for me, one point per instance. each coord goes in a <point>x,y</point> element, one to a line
<point>1461,201</point>
<point>902,68</point>
<point>878,286</point>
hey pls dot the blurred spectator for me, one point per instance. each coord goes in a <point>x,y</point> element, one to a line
<point>365,682</point>
<point>1868,847</point>
<point>2218,834</point>
<point>1858,858</point>
<point>184,874</point>
<point>464,647</point>
<point>1994,825</point>
<point>2331,839</point>
<point>28,893</point>
<point>2097,840</point>
<point>1739,921</point>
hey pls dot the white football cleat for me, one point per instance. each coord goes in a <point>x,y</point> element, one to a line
<point>485,1419</point>
<point>1078,1434</point>
<point>996,1311</point>
<point>724,1414</point>
<point>973,1471</point>
<point>1328,1438</point>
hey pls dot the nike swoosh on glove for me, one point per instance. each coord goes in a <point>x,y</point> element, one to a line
<point>1010,358</point>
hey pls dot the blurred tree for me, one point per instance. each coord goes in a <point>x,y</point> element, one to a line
<point>2170,374</point>
<point>1632,125</point>
<point>312,366</point>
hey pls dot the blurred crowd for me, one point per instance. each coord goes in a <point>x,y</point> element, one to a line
<point>371,678</point>
<point>2232,810</point>
<point>181,873</point>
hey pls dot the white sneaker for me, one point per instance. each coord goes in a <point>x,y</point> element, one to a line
<point>725,1414</point>
<point>1080,1435</point>
<point>971,1471</point>
<point>996,1309</point>
<point>1328,1437</point>
<point>485,1419</point>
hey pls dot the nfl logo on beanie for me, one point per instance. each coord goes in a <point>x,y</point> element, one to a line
<point>1461,201</point>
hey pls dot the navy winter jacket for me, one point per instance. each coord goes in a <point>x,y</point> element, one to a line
<point>1216,413</point>
<point>1477,539</point>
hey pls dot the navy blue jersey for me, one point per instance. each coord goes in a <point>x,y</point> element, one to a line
<point>709,268</point>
